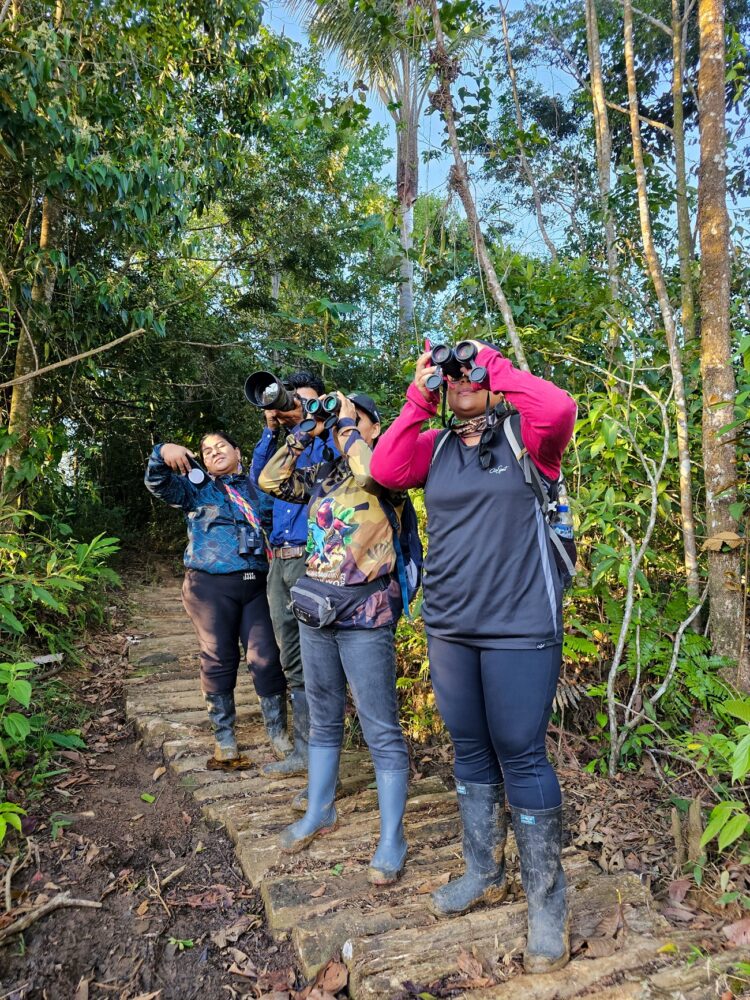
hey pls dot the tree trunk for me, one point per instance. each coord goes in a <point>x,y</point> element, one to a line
<point>603,140</point>
<point>22,398</point>
<point>407,187</point>
<point>447,70</point>
<point>724,572</point>
<point>525,165</point>
<point>684,233</point>
<point>657,277</point>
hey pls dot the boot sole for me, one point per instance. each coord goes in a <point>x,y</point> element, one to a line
<point>491,896</point>
<point>376,877</point>
<point>539,964</point>
<point>300,845</point>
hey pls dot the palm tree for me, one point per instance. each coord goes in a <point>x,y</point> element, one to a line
<point>384,42</point>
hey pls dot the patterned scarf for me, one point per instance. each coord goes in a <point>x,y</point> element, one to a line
<point>467,428</point>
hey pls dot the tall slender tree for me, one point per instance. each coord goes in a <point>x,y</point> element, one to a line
<point>719,459</point>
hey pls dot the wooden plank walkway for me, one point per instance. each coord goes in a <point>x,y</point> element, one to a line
<point>321,898</point>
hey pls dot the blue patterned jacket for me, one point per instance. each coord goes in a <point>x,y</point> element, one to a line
<point>212,533</point>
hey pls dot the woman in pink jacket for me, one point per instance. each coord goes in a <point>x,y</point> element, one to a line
<point>493,616</point>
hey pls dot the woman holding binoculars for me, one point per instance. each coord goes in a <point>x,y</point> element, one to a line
<point>224,591</point>
<point>493,616</point>
<point>347,603</point>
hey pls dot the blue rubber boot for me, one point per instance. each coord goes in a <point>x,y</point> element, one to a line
<point>222,714</point>
<point>482,809</point>
<point>539,838</point>
<point>388,860</point>
<point>320,818</point>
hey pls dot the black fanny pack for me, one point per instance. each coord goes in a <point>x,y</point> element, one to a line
<point>317,604</point>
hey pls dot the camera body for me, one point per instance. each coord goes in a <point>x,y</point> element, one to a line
<point>326,410</point>
<point>267,392</point>
<point>451,361</point>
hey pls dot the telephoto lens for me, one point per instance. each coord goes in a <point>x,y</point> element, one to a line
<point>267,392</point>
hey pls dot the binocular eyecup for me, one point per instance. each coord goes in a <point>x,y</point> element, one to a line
<point>326,409</point>
<point>197,475</point>
<point>451,362</point>
<point>265,391</point>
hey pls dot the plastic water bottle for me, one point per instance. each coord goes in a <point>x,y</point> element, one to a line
<point>563,523</point>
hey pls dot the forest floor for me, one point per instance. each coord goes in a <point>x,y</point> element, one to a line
<point>195,900</point>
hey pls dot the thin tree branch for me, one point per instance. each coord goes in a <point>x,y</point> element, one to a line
<point>71,361</point>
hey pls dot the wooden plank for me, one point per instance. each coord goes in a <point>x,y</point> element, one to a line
<point>699,981</point>
<point>379,965</point>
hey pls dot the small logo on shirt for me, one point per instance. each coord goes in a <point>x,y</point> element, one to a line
<point>248,576</point>
<point>541,645</point>
<point>498,470</point>
<point>528,820</point>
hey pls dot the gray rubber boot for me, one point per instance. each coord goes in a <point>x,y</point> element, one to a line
<point>296,761</point>
<point>539,838</point>
<point>222,713</point>
<point>320,818</point>
<point>482,809</point>
<point>388,860</point>
<point>274,719</point>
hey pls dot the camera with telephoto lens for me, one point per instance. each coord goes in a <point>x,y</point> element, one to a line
<point>326,409</point>
<point>451,361</point>
<point>248,541</point>
<point>267,392</point>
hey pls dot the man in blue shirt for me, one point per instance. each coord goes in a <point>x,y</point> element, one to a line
<point>288,539</point>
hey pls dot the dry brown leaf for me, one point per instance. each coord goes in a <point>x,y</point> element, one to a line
<point>469,965</point>
<point>320,891</point>
<point>148,996</point>
<point>679,913</point>
<point>600,947</point>
<point>434,883</point>
<point>678,889</point>
<point>715,542</point>
<point>738,933</point>
<point>82,990</point>
<point>335,977</point>
<point>143,908</point>
<point>235,970</point>
<point>158,773</point>
<point>609,924</point>
<point>232,933</point>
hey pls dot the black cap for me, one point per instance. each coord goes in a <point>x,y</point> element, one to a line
<point>367,405</point>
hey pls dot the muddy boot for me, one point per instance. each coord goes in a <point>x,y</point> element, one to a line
<point>221,712</point>
<point>539,838</point>
<point>388,860</point>
<point>321,815</point>
<point>274,719</point>
<point>482,809</point>
<point>296,761</point>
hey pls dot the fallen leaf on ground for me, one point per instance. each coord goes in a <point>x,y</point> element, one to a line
<point>600,947</point>
<point>679,913</point>
<point>320,891</point>
<point>235,970</point>
<point>738,933</point>
<point>158,773</point>
<point>469,965</point>
<point>434,883</point>
<point>679,889</point>
<point>82,990</point>
<point>143,908</point>
<point>335,977</point>
<point>228,935</point>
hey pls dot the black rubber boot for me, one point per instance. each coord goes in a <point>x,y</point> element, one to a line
<point>539,839</point>
<point>222,713</point>
<point>296,761</point>
<point>274,719</point>
<point>482,809</point>
<point>321,815</point>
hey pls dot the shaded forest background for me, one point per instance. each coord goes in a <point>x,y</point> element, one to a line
<point>188,196</point>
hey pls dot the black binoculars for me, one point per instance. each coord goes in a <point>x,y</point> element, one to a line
<point>325,409</point>
<point>248,541</point>
<point>264,390</point>
<point>451,361</point>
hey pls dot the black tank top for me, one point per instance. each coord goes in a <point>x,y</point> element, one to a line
<point>490,578</point>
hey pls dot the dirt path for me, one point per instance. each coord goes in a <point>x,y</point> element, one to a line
<point>391,945</point>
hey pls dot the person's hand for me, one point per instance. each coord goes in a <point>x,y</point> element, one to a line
<point>176,457</point>
<point>272,419</point>
<point>424,369</point>
<point>290,418</point>
<point>347,411</point>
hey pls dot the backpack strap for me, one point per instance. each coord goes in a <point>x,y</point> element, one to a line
<point>535,481</point>
<point>392,516</point>
<point>439,442</point>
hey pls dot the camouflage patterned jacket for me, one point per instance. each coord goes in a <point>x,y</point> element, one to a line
<point>349,539</point>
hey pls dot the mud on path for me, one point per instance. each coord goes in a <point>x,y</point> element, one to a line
<point>166,879</point>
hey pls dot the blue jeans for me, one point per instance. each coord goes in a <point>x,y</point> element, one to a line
<point>366,659</point>
<point>496,704</point>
